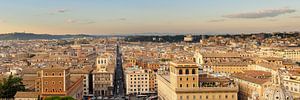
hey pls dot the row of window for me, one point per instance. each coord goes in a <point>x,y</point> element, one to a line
<point>187,85</point>
<point>101,61</point>
<point>187,71</point>
<point>139,78</point>
<point>186,78</point>
<point>53,90</point>
<point>53,74</point>
<point>53,82</point>
<point>138,75</point>
<point>206,97</point>
<point>138,85</point>
<point>138,82</point>
<point>133,90</point>
<point>102,79</point>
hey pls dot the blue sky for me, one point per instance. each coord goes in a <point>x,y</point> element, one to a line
<point>139,16</point>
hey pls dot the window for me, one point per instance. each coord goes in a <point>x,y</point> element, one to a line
<point>180,85</point>
<point>187,85</point>
<point>193,71</point>
<point>52,74</point>
<point>187,71</point>
<point>180,71</point>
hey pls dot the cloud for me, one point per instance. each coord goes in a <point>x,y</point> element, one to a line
<point>295,17</point>
<point>2,21</point>
<point>217,20</point>
<point>122,19</point>
<point>80,21</point>
<point>59,11</point>
<point>261,13</point>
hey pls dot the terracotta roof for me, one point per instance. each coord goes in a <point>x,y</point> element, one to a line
<point>230,63</point>
<point>254,76</point>
<point>270,65</point>
<point>26,94</point>
<point>220,54</point>
<point>84,70</point>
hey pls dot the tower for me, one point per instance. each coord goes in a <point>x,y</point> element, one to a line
<point>183,74</point>
<point>101,63</point>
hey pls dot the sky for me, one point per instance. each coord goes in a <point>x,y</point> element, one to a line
<point>147,16</point>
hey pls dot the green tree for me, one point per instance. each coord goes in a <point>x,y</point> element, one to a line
<point>53,98</point>
<point>10,86</point>
<point>67,98</point>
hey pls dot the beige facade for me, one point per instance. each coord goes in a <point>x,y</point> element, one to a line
<point>26,96</point>
<point>291,82</point>
<point>252,83</point>
<point>103,75</point>
<point>56,81</point>
<point>137,80</point>
<point>183,83</point>
<point>226,68</point>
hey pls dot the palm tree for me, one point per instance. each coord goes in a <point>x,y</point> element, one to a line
<point>10,86</point>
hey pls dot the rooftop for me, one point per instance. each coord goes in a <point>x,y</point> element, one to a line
<point>254,76</point>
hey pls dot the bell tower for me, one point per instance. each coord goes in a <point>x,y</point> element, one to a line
<point>184,74</point>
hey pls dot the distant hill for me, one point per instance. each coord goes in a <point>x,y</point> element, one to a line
<point>32,36</point>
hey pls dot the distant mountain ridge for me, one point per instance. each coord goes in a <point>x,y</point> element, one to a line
<point>32,36</point>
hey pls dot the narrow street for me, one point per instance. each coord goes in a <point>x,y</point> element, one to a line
<point>119,89</point>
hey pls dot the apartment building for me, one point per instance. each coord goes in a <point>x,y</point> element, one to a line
<point>185,83</point>
<point>137,80</point>
<point>252,84</point>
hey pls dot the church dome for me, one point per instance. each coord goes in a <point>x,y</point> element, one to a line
<point>277,93</point>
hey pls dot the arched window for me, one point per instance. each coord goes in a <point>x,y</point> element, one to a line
<point>193,71</point>
<point>180,71</point>
<point>187,71</point>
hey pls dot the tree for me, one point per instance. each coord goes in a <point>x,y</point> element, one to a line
<point>10,86</point>
<point>67,98</point>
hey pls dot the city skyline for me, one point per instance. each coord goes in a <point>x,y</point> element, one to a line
<point>136,16</point>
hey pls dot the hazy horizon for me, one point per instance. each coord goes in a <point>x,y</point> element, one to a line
<point>145,16</point>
